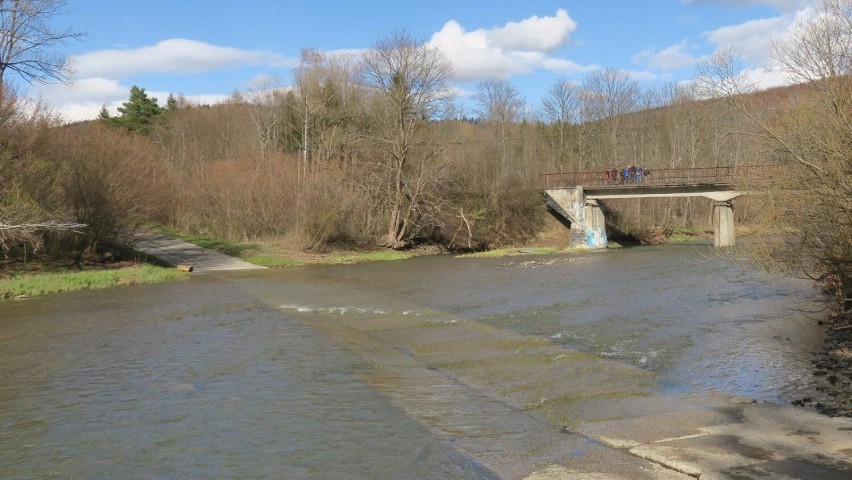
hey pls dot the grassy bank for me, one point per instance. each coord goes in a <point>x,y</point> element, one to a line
<point>31,285</point>
<point>280,254</point>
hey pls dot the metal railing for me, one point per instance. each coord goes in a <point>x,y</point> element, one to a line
<point>745,175</point>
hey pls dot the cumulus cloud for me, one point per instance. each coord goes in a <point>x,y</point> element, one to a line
<point>516,47</point>
<point>673,57</point>
<point>534,33</point>
<point>781,5</point>
<point>752,39</point>
<point>176,55</point>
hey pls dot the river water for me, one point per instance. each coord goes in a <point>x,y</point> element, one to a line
<point>384,370</point>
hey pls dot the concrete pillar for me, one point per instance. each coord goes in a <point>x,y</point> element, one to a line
<point>595,225</point>
<point>723,224</point>
<point>588,228</point>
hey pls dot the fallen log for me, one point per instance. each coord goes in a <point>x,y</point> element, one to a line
<point>185,268</point>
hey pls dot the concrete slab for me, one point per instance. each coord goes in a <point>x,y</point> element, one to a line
<point>765,441</point>
<point>177,252</point>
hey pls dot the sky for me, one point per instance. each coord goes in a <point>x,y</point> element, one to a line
<point>208,49</point>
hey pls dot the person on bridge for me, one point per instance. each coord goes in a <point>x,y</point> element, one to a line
<point>608,177</point>
<point>633,174</point>
<point>640,174</point>
<point>626,175</point>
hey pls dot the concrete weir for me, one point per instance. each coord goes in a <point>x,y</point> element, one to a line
<point>579,207</point>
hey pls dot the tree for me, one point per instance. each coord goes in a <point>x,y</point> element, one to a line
<point>409,81</point>
<point>27,39</point>
<point>139,113</point>
<point>103,115</point>
<point>810,135</point>
<point>500,104</point>
<point>171,103</point>
<point>607,95</point>
<point>560,107</point>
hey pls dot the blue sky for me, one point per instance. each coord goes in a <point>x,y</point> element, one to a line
<point>209,49</point>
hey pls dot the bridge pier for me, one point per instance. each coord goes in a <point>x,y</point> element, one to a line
<point>723,224</point>
<point>587,220</point>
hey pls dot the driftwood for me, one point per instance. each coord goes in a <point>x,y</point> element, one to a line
<point>185,268</point>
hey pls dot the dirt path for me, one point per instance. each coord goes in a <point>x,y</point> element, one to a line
<point>177,252</point>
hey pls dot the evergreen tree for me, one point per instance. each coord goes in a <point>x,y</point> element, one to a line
<point>171,103</point>
<point>104,114</point>
<point>139,113</point>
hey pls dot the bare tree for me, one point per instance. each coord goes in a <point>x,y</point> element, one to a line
<point>500,104</point>
<point>27,40</point>
<point>560,107</point>
<point>409,80</point>
<point>607,95</point>
<point>809,134</point>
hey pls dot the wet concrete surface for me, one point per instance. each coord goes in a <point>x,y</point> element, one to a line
<point>177,252</point>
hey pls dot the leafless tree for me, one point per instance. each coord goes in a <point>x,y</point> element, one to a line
<point>28,39</point>
<point>499,104</point>
<point>561,108</point>
<point>810,135</point>
<point>409,83</point>
<point>608,95</point>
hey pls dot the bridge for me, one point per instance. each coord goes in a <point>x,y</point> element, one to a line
<point>575,196</point>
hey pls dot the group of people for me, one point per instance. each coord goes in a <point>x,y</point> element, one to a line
<point>631,174</point>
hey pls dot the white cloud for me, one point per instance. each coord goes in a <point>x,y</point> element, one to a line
<point>752,39</point>
<point>762,78</point>
<point>85,90</point>
<point>534,33</point>
<point>780,5</point>
<point>645,75</point>
<point>673,57</point>
<point>261,81</point>
<point>176,55</point>
<point>517,47</point>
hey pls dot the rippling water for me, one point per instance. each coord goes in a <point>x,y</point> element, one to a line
<point>251,375</point>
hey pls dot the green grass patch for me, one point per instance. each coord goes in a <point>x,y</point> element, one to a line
<point>684,238</point>
<point>690,229</point>
<point>511,251</point>
<point>267,255</point>
<point>271,260</point>
<point>31,285</point>
<point>378,256</point>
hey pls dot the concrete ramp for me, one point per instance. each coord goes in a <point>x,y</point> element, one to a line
<point>177,252</point>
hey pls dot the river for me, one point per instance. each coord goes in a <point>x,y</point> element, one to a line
<point>434,367</point>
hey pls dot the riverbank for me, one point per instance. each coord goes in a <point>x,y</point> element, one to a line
<point>25,285</point>
<point>833,366</point>
<point>280,253</point>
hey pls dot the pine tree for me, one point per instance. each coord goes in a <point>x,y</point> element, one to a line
<point>104,114</point>
<point>171,103</point>
<point>139,113</point>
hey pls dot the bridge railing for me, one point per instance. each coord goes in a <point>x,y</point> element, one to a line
<point>740,175</point>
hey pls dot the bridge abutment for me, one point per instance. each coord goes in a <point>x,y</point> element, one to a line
<point>587,220</point>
